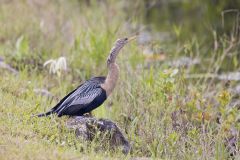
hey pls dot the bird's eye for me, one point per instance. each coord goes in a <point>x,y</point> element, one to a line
<point>126,39</point>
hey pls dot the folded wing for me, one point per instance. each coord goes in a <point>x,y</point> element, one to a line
<point>84,99</point>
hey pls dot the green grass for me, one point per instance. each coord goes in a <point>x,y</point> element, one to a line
<point>163,114</point>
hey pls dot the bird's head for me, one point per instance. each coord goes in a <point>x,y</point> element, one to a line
<point>119,44</point>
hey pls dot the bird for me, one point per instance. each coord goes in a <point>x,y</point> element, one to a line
<point>93,92</point>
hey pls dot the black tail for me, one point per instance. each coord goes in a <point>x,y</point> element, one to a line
<point>43,114</point>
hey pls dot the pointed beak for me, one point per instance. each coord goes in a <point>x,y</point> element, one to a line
<point>132,38</point>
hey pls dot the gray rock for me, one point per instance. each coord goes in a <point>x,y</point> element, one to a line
<point>106,131</point>
<point>184,62</point>
<point>7,67</point>
<point>231,76</point>
<point>43,92</point>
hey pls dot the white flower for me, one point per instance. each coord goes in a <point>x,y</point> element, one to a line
<point>56,66</point>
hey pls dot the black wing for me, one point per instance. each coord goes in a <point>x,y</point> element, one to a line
<point>85,98</point>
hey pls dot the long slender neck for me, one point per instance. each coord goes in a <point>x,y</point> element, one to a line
<point>111,79</point>
<point>113,69</point>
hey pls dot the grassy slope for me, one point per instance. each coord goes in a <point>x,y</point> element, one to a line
<point>142,105</point>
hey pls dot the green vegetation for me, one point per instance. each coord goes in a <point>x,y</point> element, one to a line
<point>165,112</point>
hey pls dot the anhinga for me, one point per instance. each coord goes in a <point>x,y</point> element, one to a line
<point>92,93</point>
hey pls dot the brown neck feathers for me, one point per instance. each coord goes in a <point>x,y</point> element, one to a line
<point>111,79</point>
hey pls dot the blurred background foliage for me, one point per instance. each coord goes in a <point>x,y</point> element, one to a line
<point>57,27</point>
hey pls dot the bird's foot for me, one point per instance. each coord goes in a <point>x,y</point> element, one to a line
<point>88,114</point>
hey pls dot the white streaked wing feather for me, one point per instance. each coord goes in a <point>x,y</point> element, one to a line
<point>87,97</point>
<point>82,95</point>
<point>82,89</point>
<point>82,99</point>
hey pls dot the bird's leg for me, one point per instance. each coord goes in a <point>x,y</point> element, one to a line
<point>89,114</point>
